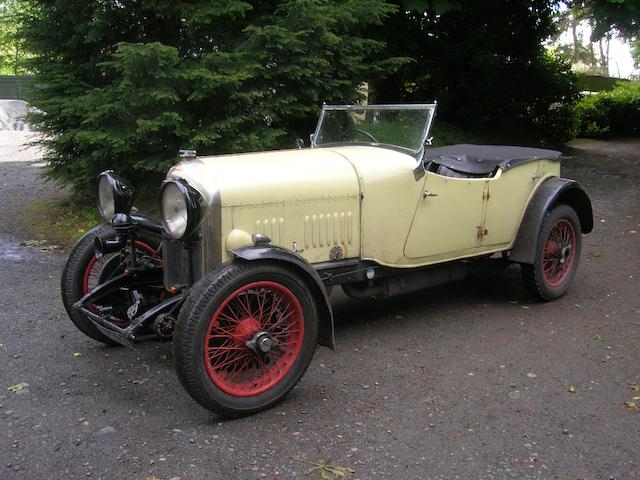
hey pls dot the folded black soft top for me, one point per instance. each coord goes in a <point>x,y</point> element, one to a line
<point>484,159</point>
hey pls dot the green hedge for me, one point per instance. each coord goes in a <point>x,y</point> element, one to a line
<point>612,113</point>
<point>597,83</point>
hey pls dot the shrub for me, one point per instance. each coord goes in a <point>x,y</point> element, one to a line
<point>612,113</point>
<point>558,124</point>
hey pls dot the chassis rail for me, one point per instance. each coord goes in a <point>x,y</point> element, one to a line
<point>108,324</point>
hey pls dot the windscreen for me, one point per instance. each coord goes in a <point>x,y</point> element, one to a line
<point>404,126</point>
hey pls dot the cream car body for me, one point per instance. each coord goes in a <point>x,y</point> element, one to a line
<point>363,199</point>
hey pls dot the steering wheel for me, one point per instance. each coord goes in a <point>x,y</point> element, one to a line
<point>366,134</point>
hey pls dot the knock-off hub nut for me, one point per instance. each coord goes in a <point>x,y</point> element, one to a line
<point>262,342</point>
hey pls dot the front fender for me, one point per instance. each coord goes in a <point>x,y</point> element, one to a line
<point>552,192</point>
<point>326,335</point>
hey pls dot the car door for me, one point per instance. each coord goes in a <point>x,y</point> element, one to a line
<point>509,194</point>
<point>448,218</point>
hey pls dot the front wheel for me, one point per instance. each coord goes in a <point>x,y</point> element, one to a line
<point>83,271</point>
<point>244,337</point>
<point>557,255</point>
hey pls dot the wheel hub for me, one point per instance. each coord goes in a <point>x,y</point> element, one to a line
<point>559,252</point>
<point>245,329</point>
<point>565,253</point>
<point>249,334</point>
<point>261,342</point>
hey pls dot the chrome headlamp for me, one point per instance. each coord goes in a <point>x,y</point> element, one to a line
<point>115,195</point>
<point>181,207</point>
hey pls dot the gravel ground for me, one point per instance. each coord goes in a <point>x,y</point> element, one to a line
<point>469,380</point>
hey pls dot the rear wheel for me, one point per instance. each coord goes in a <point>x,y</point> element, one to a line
<point>83,272</point>
<point>557,255</point>
<point>244,337</point>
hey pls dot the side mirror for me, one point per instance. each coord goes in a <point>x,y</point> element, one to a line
<point>312,139</point>
<point>299,143</point>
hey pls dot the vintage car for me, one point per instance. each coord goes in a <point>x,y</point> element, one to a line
<point>239,269</point>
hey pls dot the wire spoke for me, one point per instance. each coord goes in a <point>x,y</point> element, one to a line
<point>230,319</point>
<point>559,252</point>
<point>230,361</point>
<point>242,368</point>
<point>261,307</point>
<point>274,306</point>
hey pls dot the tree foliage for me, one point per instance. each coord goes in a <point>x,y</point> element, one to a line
<point>586,57</point>
<point>13,54</point>
<point>125,84</point>
<point>485,64</point>
<point>613,16</point>
<point>621,16</point>
<point>635,53</point>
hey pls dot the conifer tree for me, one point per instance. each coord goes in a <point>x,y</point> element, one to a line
<point>125,84</point>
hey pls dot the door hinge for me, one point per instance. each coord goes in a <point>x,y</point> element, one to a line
<point>486,195</point>
<point>482,231</point>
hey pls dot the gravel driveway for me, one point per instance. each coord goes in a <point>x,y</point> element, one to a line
<point>466,381</point>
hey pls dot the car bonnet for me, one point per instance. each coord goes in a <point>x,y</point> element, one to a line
<point>270,177</point>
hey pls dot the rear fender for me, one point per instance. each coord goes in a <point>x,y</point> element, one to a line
<point>552,192</point>
<point>326,334</point>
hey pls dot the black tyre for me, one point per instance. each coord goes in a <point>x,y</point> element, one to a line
<point>83,271</point>
<point>244,337</point>
<point>557,255</point>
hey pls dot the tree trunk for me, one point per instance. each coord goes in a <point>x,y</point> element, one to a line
<point>604,55</point>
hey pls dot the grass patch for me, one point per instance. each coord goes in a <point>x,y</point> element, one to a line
<point>61,221</point>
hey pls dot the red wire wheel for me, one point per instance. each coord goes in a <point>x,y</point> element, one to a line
<point>557,255</point>
<point>559,252</point>
<point>245,335</point>
<point>262,310</point>
<point>95,267</point>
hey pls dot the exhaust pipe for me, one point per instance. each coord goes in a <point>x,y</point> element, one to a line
<point>408,282</point>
